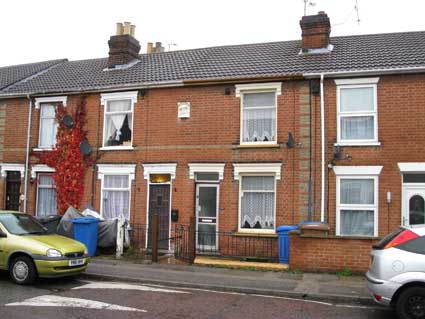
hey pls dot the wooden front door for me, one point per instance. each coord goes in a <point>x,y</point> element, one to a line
<point>13,188</point>
<point>159,204</point>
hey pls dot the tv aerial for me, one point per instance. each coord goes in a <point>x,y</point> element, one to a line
<point>308,3</point>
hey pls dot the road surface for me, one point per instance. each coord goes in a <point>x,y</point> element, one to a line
<point>77,298</point>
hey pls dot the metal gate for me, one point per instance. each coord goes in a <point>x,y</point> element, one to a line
<point>184,242</point>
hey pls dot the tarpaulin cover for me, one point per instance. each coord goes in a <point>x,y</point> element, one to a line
<point>107,230</point>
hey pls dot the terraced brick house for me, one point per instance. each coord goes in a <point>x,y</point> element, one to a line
<point>244,137</point>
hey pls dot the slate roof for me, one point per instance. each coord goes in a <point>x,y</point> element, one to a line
<point>15,73</point>
<point>350,53</point>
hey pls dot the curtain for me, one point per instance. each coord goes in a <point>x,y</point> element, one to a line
<point>357,191</point>
<point>357,128</point>
<point>48,126</point>
<point>116,201</point>
<point>357,222</point>
<point>257,203</point>
<point>259,117</point>
<point>46,198</point>
<point>114,122</point>
<point>259,125</point>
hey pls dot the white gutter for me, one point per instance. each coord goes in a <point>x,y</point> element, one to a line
<point>322,142</point>
<point>27,155</point>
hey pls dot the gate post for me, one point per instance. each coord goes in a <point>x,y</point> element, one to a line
<point>155,231</point>
<point>192,239</point>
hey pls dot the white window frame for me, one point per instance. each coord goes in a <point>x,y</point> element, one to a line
<point>242,89</point>
<point>206,168</point>
<point>39,101</point>
<point>352,84</point>
<point>114,170</point>
<point>241,192</point>
<point>44,187</point>
<point>119,96</point>
<point>256,169</point>
<point>357,172</point>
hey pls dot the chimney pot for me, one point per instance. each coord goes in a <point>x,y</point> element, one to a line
<point>132,30</point>
<point>149,48</point>
<point>127,28</point>
<point>119,29</point>
<point>316,30</point>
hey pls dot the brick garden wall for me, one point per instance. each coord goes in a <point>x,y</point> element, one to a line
<point>329,254</point>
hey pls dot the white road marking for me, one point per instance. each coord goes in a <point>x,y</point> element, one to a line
<point>57,301</point>
<point>124,286</point>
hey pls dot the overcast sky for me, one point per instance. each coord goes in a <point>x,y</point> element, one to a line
<point>37,30</point>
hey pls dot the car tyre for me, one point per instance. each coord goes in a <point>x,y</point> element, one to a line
<point>411,303</point>
<point>23,271</point>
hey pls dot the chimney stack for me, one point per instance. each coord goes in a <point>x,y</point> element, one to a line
<point>123,47</point>
<point>316,30</point>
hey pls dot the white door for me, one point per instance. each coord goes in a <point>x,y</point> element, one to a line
<point>207,217</point>
<point>413,205</point>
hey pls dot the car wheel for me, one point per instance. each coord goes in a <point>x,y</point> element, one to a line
<point>22,270</point>
<point>411,303</point>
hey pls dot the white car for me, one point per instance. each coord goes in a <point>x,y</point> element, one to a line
<point>396,276</point>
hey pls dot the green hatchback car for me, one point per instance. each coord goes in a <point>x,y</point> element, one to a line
<point>27,251</point>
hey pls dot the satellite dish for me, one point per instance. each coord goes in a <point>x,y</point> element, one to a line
<point>68,121</point>
<point>291,141</point>
<point>85,147</point>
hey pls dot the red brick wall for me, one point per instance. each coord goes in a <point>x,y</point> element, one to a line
<point>212,135</point>
<point>329,254</point>
<point>401,100</point>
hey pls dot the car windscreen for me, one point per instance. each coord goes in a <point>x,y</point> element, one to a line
<point>21,224</point>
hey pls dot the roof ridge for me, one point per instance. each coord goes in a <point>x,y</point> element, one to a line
<point>33,63</point>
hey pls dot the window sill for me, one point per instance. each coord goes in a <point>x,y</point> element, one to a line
<point>358,144</point>
<point>116,148</point>
<point>39,149</point>
<point>249,234</point>
<point>259,145</point>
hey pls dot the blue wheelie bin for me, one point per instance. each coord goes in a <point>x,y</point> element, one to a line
<point>85,231</point>
<point>283,244</point>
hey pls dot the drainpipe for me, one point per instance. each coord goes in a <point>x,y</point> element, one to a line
<point>27,155</point>
<point>322,142</point>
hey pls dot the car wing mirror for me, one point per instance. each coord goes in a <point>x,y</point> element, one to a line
<point>2,235</point>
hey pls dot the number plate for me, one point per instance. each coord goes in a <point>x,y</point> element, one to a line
<point>77,262</point>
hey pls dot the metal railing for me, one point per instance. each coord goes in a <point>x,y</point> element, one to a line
<point>233,245</point>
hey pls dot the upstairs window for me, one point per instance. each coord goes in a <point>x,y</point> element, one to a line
<point>48,126</point>
<point>357,111</point>
<point>118,120</point>
<point>258,112</point>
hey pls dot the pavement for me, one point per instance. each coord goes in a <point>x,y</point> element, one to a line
<point>306,286</point>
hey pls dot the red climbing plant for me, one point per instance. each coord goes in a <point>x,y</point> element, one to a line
<point>66,158</point>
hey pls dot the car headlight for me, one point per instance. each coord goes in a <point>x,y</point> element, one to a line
<point>53,253</point>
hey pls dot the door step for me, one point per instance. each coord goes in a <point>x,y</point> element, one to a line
<point>235,263</point>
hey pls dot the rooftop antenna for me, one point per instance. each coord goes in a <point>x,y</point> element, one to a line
<point>356,9</point>
<point>308,3</point>
<point>170,44</point>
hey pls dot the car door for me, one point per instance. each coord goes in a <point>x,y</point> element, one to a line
<point>3,248</point>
